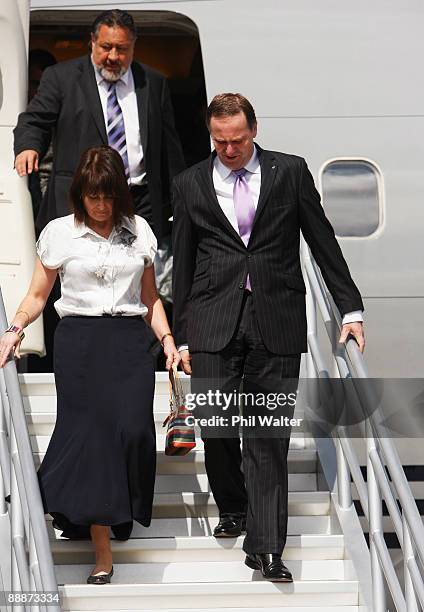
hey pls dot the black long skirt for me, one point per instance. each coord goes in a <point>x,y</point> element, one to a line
<point>101,461</point>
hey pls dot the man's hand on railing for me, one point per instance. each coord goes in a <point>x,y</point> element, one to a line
<point>357,331</point>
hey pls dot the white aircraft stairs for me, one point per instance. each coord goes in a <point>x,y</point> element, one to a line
<point>177,564</point>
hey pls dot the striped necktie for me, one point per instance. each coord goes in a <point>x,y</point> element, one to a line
<point>116,128</point>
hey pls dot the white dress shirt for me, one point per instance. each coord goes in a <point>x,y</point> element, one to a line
<point>98,275</point>
<point>223,181</point>
<point>125,92</point>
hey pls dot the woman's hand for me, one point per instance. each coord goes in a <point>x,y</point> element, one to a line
<point>8,342</point>
<point>173,357</point>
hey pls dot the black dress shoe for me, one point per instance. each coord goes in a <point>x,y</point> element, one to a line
<point>270,565</point>
<point>230,525</point>
<point>100,578</point>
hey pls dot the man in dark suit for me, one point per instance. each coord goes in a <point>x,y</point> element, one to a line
<point>239,306</point>
<point>103,98</point>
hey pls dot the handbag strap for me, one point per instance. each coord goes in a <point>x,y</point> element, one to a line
<point>176,393</point>
<point>176,384</point>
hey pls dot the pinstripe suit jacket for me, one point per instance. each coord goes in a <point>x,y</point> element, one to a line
<point>211,262</point>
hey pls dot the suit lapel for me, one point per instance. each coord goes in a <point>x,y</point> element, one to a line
<point>204,178</point>
<point>141,86</point>
<point>268,171</point>
<point>91,93</point>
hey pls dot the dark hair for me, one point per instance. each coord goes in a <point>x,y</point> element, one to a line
<point>41,58</point>
<point>114,18</point>
<point>101,171</point>
<point>230,104</point>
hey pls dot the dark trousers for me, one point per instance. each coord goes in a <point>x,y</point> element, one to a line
<point>143,208</point>
<point>141,199</point>
<point>257,479</point>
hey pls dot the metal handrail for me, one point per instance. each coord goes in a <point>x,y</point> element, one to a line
<point>32,561</point>
<point>382,456</point>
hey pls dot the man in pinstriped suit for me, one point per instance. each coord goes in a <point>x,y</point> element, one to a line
<point>239,306</point>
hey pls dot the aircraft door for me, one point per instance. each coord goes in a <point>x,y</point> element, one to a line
<point>17,237</point>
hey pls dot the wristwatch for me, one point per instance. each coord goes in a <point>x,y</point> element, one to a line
<point>16,330</point>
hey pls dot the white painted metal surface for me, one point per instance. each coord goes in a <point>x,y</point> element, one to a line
<point>17,237</point>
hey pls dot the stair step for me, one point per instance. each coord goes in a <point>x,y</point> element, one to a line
<point>42,408</point>
<point>178,483</point>
<point>253,595</point>
<point>180,563</point>
<point>182,549</point>
<point>203,526</point>
<point>204,572</point>
<point>199,483</point>
<point>386,524</point>
<point>168,505</point>
<point>416,486</point>
<point>199,506</point>
<point>33,384</point>
<point>42,384</point>
<point>40,443</point>
<point>299,461</point>
<point>42,424</point>
<point>40,411</point>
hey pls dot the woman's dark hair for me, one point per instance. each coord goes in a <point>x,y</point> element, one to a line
<point>101,172</point>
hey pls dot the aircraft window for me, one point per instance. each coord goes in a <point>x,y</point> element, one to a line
<point>351,197</point>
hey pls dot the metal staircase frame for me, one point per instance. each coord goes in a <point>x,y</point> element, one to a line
<point>30,569</point>
<point>386,479</point>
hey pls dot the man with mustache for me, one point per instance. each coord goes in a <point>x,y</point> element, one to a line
<point>104,98</point>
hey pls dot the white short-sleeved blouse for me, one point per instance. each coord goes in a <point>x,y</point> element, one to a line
<point>98,275</point>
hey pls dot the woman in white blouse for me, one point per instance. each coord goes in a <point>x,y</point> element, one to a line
<point>99,468</point>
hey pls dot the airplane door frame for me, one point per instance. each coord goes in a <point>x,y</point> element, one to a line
<point>17,236</point>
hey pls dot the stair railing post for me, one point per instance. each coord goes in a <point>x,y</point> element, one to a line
<point>375,527</point>
<point>343,478</point>
<point>408,553</point>
<point>344,490</point>
<point>311,313</point>
<point>20,573</point>
<point>23,462</point>
<point>4,463</point>
<point>5,429</point>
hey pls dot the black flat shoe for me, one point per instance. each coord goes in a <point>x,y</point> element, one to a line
<point>270,565</point>
<point>230,525</point>
<point>100,578</point>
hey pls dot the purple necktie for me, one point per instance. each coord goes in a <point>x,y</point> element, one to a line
<point>116,128</point>
<point>244,208</point>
